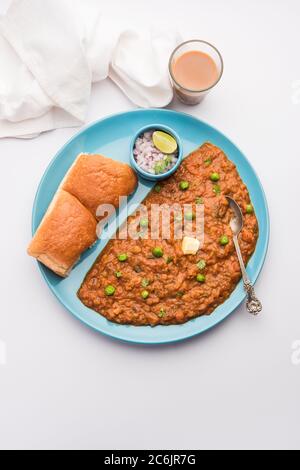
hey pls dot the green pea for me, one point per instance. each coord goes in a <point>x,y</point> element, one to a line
<point>118,274</point>
<point>249,209</point>
<point>201,264</point>
<point>157,188</point>
<point>144,223</point>
<point>123,257</point>
<point>217,189</point>
<point>224,240</point>
<point>189,216</point>
<point>110,290</point>
<point>162,313</point>
<point>201,278</point>
<point>215,177</point>
<point>184,185</point>
<point>199,200</point>
<point>158,252</point>
<point>145,282</point>
<point>145,294</point>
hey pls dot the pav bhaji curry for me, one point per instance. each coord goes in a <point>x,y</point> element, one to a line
<point>152,282</point>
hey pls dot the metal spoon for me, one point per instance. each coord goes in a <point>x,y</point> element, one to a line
<point>253,305</point>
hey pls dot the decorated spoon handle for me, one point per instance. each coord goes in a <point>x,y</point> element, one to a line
<point>253,305</point>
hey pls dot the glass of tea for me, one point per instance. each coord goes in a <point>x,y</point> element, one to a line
<point>195,68</point>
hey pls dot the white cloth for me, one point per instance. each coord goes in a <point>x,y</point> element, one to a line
<point>51,51</point>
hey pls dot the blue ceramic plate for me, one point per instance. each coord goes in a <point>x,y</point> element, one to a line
<point>112,137</point>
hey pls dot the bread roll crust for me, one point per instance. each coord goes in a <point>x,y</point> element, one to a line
<point>95,180</point>
<point>66,231</point>
<point>69,226</point>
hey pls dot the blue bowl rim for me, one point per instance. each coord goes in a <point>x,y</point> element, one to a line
<point>143,173</point>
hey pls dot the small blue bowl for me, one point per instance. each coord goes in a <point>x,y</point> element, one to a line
<point>145,174</point>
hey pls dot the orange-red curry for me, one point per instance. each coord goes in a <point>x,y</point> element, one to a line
<point>151,282</point>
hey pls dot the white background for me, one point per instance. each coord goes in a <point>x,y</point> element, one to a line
<point>65,386</point>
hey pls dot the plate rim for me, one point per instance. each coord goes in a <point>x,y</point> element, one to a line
<point>185,336</point>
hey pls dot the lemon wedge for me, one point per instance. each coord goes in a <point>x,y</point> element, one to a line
<point>164,142</point>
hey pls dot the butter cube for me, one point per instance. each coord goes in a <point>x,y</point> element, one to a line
<point>190,246</point>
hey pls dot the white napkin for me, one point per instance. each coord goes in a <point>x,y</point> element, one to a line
<point>51,51</point>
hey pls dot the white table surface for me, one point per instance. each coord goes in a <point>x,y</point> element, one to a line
<point>65,386</point>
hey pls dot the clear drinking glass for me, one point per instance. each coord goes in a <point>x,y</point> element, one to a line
<point>193,97</point>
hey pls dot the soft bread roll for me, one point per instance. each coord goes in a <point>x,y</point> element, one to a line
<point>96,180</point>
<point>65,232</point>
